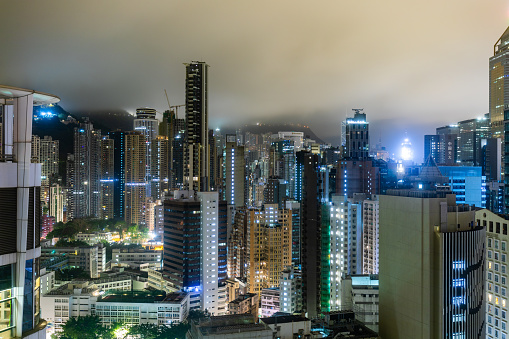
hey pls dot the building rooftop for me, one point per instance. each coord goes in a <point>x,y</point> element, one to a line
<point>352,330</point>
<point>133,296</point>
<point>243,297</point>
<point>229,324</point>
<point>8,93</point>
<point>284,319</point>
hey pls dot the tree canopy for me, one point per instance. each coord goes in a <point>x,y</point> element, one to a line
<point>90,327</point>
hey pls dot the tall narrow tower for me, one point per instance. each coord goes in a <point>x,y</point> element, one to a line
<point>499,86</point>
<point>147,124</point>
<point>196,154</point>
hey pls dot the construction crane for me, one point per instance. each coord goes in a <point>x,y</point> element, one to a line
<point>176,106</point>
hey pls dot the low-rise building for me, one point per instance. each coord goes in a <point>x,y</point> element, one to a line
<point>94,238</point>
<point>77,256</point>
<point>129,307</point>
<point>124,256</point>
<point>157,281</point>
<point>47,280</point>
<point>289,326</point>
<point>360,293</point>
<point>342,324</point>
<point>245,303</point>
<point>270,301</point>
<point>229,327</point>
<point>234,288</point>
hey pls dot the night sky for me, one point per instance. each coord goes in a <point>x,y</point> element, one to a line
<point>412,65</point>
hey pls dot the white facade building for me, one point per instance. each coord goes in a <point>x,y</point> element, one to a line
<point>129,307</point>
<point>290,291</point>
<point>361,294</point>
<point>497,279</point>
<point>212,297</point>
<point>120,256</point>
<point>269,301</point>
<point>370,225</point>
<point>354,239</point>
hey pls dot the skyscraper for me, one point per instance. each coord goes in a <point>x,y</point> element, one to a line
<point>315,240</point>
<point>160,167</point>
<point>147,124</point>
<point>432,267</point>
<point>472,135</point>
<point>195,248</point>
<point>196,155</point>
<point>270,246</point>
<point>135,184</point>
<point>234,172</point>
<point>118,138</point>
<point>497,274</point>
<point>499,93</point>
<point>87,171</point>
<point>107,177</point>
<point>355,136</point>
<point>20,216</point>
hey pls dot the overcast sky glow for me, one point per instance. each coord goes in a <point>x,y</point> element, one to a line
<point>411,65</point>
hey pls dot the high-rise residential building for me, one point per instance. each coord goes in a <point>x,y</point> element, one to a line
<point>160,167</point>
<point>235,169</point>
<point>147,124</point>
<point>20,217</point>
<point>270,246</point>
<point>87,172</point>
<point>346,242</point>
<point>195,257</point>
<point>274,191</point>
<point>315,241</point>
<point>46,152</point>
<point>370,231</point>
<point>49,158</point>
<point>294,208</point>
<point>497,250</point>
<point>354,240</point>
<point>237,246</point>
<point>107,177</point>
<point>69,187</point>
<point>358,176</point>
<point>56,202</point>
<point>355,136</point>
<point>135,184</point>
<point>499,93</point>
<point>36,149</point>
<point>290,289</point>
<point>177,160</point>
<point>119,140</point>
<point>196,153</point>
<point>432,267</point>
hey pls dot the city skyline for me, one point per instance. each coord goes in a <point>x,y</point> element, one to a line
<point>287,60</point>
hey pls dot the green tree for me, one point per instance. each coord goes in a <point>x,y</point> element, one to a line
<point>88,327</point>
<point>72,243</point>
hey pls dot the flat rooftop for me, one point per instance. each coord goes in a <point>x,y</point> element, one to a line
<point>132,297</point>
<point>284,319</point>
